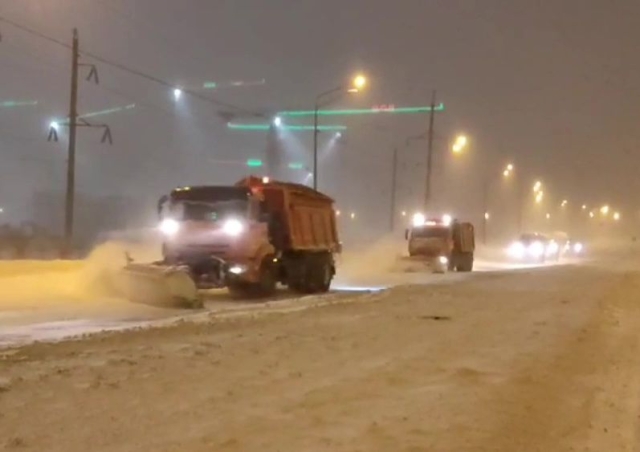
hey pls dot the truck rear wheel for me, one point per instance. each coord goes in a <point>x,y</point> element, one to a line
<point>315,275</point>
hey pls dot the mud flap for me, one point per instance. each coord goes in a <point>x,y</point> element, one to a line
<point>157,285</point>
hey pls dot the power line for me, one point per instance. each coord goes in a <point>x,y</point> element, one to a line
<point>129,70</point>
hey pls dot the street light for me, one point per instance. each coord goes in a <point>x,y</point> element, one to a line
<point>359,81</point>
<point>509,167</point>
<point>539,197</point>
<point>277,121</point>
<point>604,210</point>
<point>584,207</point>
<point>54,125</point>
<point>616,216</point>
<point>357,84</point>
<point>564,203</point>
<point>460,144</point>
<point>537,186</point>
<point>177,94</point>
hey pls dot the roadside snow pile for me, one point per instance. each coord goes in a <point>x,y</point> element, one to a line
<point>25,283</point>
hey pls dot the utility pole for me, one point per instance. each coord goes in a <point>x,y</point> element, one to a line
<point>432,115</point>
<point>520,206</point>
<point>485,208</point>
<point>394,170</point>
<point>273,160</point>
<point>73,122</point>
<point>71,155</point>
<point>315,145</point>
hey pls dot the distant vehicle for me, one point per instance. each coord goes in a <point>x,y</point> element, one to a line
<point>574,248</point>
<point>534,247</point>
<point>445,243</point>
<point>247,237</point>
<point>567,245</point>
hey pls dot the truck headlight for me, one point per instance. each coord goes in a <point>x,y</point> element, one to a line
<point>169,226</point>
<point>516,250</point>
<point>536,249</point>
<point>233,227</point>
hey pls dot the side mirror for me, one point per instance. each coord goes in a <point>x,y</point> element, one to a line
<point>406,234</point>
<point>161,203</point>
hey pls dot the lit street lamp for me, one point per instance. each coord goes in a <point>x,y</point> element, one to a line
<point>357,84</point>
<point>616,216</point>
<point>460,144</point>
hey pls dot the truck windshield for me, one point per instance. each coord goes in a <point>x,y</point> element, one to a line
<point>430,232</point>
<point>214,211</point>
<point>528,238</point>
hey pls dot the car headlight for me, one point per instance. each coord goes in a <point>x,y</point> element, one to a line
<point>443,260</point>
<point>169,226</point>
<point>233,227</point>
<point>552,248</point>
<point>516,249</point>
<point>536,249</point>
<point>577,248</point>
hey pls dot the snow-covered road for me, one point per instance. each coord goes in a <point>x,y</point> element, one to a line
<point>537,359</point>
<point>53,300</point>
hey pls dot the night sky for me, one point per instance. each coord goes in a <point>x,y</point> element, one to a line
<point>548,85</point>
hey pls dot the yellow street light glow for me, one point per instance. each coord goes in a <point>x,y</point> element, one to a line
<point>584,207</point>
<point>337,213</point>
<point>486,215</point>
<point>591,214</point>
<point>537,186</point>
<point>548,216</point>
<point>404,213</point>
<point>460,143</point>
<point>539,197</point>
<point>564,203</point>
<point>359,81</point>
<point>604,210</point>
<point>353,215</point>
<point>509,167</point>
<point>616,216</point>
<point>506,173</point>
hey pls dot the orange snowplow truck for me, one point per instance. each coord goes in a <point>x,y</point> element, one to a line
<point>251,236</point>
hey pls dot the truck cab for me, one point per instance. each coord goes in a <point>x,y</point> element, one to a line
<point>251,235</point>
<point>447,245</point>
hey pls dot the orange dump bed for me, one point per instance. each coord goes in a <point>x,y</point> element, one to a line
<point>307,216</point>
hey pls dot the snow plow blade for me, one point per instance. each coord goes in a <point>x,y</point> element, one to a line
<point>158,285</point>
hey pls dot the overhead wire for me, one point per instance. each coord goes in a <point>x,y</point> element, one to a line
<point>130,70</point>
